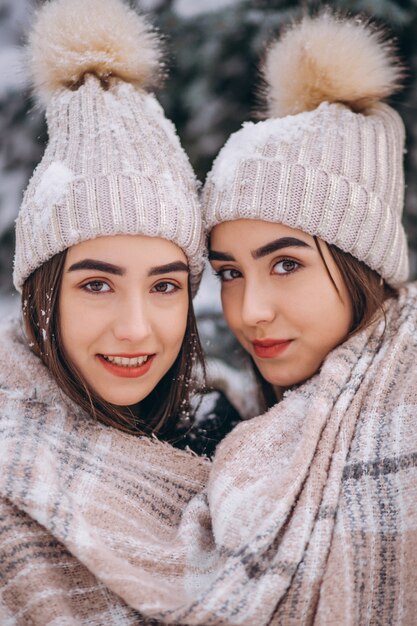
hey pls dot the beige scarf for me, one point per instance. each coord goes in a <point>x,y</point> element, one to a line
<point>307,515</point>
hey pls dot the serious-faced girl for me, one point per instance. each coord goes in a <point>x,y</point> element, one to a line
<point>313,499</point>
<point>304,208</point>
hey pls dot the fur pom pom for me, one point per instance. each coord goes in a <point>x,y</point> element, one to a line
<point>71,38</point>
<point>329,59</point>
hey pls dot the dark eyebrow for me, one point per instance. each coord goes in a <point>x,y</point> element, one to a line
<point>279,244</point>
<point>175,266</point>
<point>98,266</point>
<point>220,256</point>
<point>101,266</point>
<point>273,246</point>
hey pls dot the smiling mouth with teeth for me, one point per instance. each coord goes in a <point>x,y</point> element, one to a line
<point>127,367</point>
<point>125,361</point>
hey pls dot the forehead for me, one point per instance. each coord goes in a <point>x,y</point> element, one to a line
<point>127,250</point>
<point>251,234</point>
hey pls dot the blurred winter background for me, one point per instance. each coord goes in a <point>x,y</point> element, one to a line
<point>213,51</point>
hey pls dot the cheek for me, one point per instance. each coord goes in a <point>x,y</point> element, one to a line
<point>321,308</point>
<point>333,319</point>
<point>170,324</point>
<point>231,309</point>
<point>79,324</point>
<point>327,328</point>
<point>338,328</point>
<point>68,323</point>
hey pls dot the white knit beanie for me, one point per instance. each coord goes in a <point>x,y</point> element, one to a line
<point>329,158</point>
<point>114,163</point>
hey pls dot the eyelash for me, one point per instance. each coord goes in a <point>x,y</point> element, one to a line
<point>87,287</point>
<point>166,282</point>
<point>284,260</point>
<point>221,273</point>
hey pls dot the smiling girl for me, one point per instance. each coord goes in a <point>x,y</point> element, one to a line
<point>120,335</point>
<point>108,239</point>
<point>109,253</point>
<point>105,305</point>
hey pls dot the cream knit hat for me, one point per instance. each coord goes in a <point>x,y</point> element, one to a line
<point>113,164</point>
<point>329,160</point>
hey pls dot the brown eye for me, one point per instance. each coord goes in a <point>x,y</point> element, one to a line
<point>228,275</point>
<point>164,287</point>
<point>286,266</point>
<point>96,286</point>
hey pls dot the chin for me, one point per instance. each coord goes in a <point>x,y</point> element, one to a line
<point>283,380</point>
<point>287,380</point>
<point>122,399</point>
<point>125,403</point>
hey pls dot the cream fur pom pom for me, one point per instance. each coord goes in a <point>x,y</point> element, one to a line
<point>71,38</point>
<point>329,59</point>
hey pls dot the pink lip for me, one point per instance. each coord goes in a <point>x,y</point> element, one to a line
<point>127,372</point>
<point>270,348</point>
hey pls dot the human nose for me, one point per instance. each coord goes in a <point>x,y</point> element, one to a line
<point>258,306</point>
<point>132,322</point>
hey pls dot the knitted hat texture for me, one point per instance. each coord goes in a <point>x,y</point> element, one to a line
<point>113,164</point>
<point>329,158</point>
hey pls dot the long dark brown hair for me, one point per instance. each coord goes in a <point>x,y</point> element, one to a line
<point>158,413</point>
<point>367,293</point>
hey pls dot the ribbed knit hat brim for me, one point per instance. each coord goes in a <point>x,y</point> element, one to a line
<point>332,173</point>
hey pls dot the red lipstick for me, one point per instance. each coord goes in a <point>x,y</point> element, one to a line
<point>127,371</point>
<point>270,348</point>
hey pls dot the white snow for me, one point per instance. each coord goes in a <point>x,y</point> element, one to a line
<point>9,305</point>
<point>83,538</point>
<point>245,142</point>
<point>153,107</point>
<point>13,76</point>
<point>192,8</point>
<point>239,386</point>
<point>16,15</point>
<point>149,5</point>
<point>52,187</point>
<point>208,299</point>
<point>205,405</point>
<point>11,185</point>
<point>119,105</point>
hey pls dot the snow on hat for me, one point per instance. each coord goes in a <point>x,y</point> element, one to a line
<point>113,164</point>
<point>329,158</point>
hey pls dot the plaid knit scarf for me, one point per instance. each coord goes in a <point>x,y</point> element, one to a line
<point>307,515</point>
